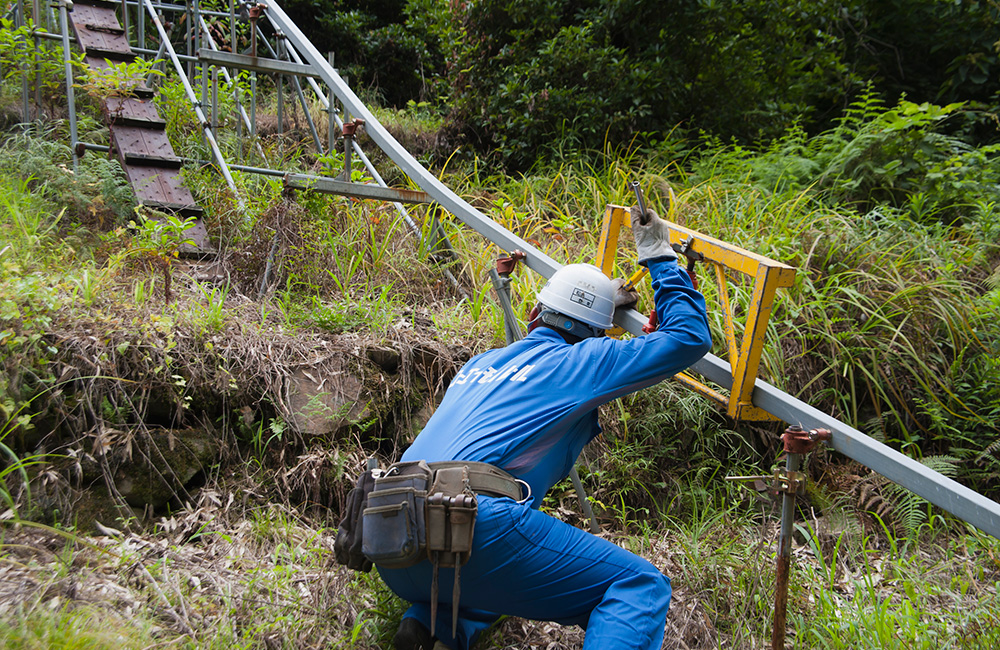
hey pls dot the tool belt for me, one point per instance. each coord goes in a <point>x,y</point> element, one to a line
<point>417,510</point>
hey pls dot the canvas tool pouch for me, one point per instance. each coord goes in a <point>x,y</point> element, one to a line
<point>394,531</point>
<point>419,510</point>
<point>347,545</point>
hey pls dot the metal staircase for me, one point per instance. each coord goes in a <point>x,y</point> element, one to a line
<point>138,133</point>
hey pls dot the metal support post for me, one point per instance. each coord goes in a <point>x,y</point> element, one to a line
<point>349,130</point>
<point>36,12</point>
<point>348,141</point>
<point>70,97</point>
<point>215,100</point>
<point>253,106</point>
<point>331,111</point>
<point>234,80</point>
<point>280,87</point>
<point>25,103</point>
<point>302,100</point>
<point>797,443</point>
<point>151,79</point>
<point>125,20</point>
<point>189,38</point>
<point>784,561</point>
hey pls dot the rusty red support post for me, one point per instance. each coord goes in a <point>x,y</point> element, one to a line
<point>798,442</point>
<point>784,560</point>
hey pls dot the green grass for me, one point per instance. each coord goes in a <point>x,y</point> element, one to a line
<point>892,326</point>
<point>50,626</point>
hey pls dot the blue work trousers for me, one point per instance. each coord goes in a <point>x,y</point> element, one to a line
<point>528,564</point>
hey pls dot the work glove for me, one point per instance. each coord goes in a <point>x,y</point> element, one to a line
<point>624,297</point>
<point>652,241</point>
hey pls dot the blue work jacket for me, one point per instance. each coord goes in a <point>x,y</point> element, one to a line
<point>530,408</point>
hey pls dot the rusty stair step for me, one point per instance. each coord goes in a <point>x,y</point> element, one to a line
<point>110,54</point>
<point>140,141</point>
<point>152,161</point>
<point>104,4</point>
<point>141,122</point>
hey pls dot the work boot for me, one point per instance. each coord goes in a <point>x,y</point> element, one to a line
<point>412,635</point>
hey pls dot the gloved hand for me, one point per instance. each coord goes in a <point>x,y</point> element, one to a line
<point>624,298</point>
<point>652,241</point>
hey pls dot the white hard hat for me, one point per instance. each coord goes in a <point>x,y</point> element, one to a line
<point>583,292</point>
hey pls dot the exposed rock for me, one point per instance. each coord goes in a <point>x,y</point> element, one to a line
<point>319,401</point>
<point>388,359</point>
<point>163,463</point>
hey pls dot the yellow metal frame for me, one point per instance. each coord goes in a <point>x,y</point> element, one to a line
<point>768,277</point>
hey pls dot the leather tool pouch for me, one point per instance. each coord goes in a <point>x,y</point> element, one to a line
<point>451,520</point>
<point>394,531</point>
<point>347,545</point>
<point>451,517</point>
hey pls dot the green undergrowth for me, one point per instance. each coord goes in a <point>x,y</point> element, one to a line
<point>892,326</point>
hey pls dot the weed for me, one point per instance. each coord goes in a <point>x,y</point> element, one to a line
<point>213,311</point>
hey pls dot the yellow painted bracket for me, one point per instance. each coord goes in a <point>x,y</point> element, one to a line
<point>768,276</point>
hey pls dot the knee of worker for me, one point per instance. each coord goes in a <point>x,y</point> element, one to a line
<point>647,592</point>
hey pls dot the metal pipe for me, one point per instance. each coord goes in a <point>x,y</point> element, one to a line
<point>70,97</point>
<point>125,19</point>
<point>25,104</point>
<point>159,53</point>
<point>236,86</point>
<point>209,135</point>
<point>195,47</point>
<point>215,99</point>
<point>784,560</point>
<point>89,146</point>
<point>331,132</point>
<point>50,36</point>
<point>175,8</point>
<point>280,86</point>
<point>36,11</point>
<point>188,38</point>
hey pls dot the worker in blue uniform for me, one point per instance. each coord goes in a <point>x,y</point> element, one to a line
<point>529,409</point>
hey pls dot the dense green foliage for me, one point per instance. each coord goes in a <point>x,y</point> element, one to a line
<point>376,47</point>
<point>531,77</point>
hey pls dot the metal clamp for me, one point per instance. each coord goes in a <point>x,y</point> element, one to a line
<point>799,441</point>
<point>506,265</point>
<point>789,482</point>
